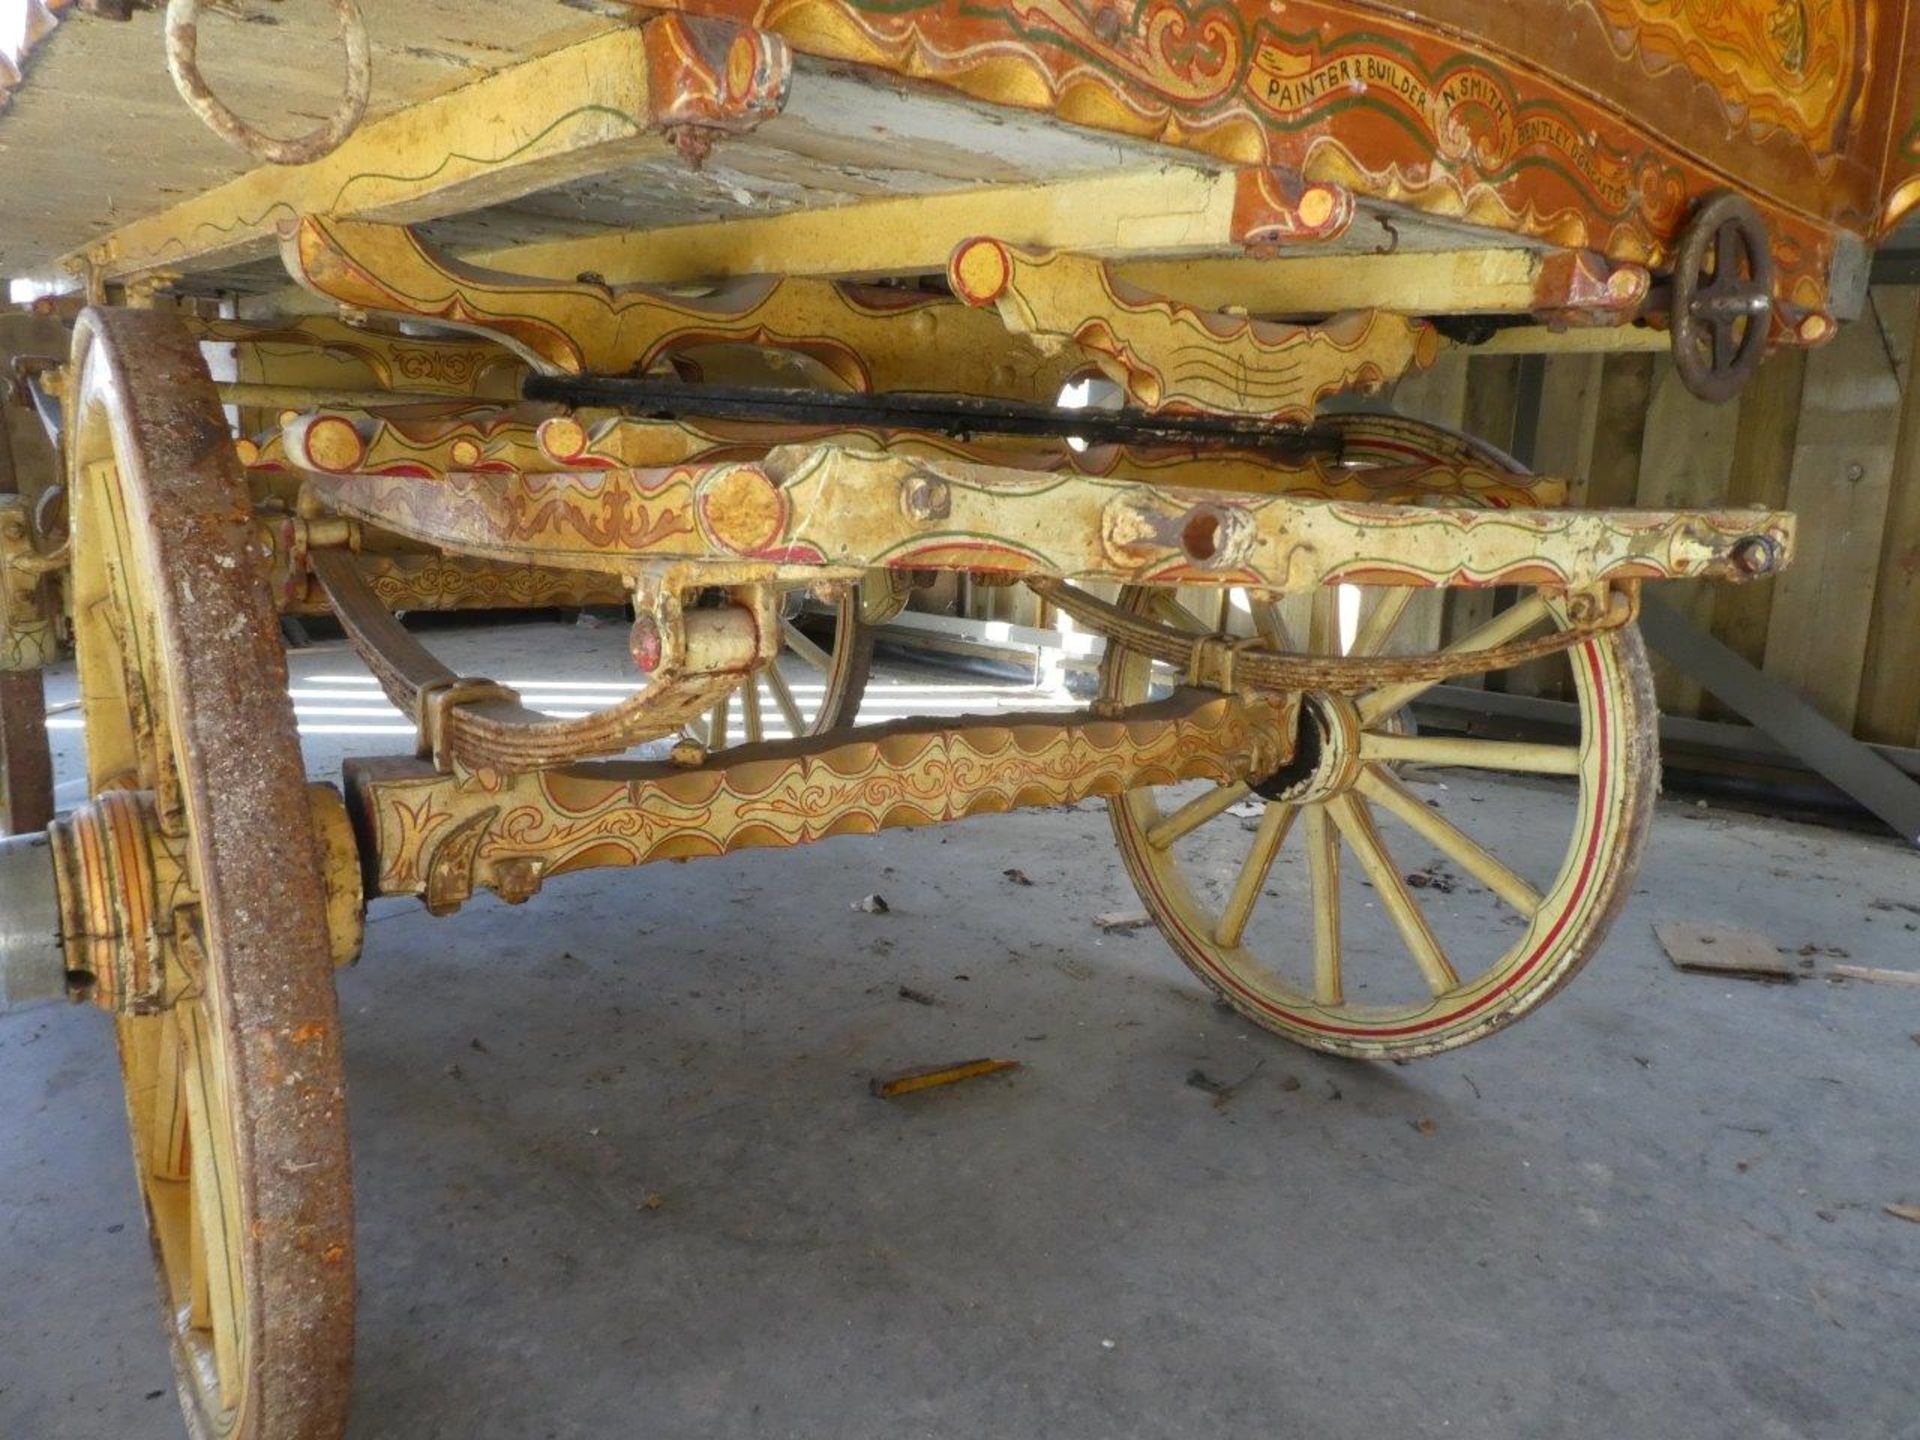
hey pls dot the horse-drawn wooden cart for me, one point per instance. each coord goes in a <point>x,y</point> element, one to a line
<point>757,313</point>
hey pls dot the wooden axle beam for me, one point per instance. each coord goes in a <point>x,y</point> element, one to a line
<point>803,512</point>
<point>443,836</point>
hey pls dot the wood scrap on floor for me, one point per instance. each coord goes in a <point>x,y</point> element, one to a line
<point>1724,950</point>
<point>891,1087</point>
<point>1875,974</point>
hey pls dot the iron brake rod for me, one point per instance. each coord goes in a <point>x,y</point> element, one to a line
<point>957,415</point>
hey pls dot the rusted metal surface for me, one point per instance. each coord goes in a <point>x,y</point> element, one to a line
<point>1560,148</point>
<point>1722,281</point>
<point>150,445</point>
<point>183,43</point>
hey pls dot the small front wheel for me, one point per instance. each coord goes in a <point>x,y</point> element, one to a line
<point>1358,944</point>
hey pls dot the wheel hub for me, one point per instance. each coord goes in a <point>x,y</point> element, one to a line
<point>101,907</point>
<point>126,904</point>
<point>1326,753</point>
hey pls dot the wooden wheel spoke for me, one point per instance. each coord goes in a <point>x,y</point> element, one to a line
<point>717,724</point>
<point>1170,611</point>
<point>1391,795</point>
<point>1323,621</point>
<point>1267,620</point>
<point>1195,813</point>
<point>783,697</point>
<point>1377,627</point>
<point>1323,873</point>
<point>166,1111</point>
<point>750,709</point>
<point>214,1294</point>
<point>199,1301</point>
<point>1509,624</point>
<point>1275,821</point>
<point>1517,756</point>
<point>798,642</point>
<point>1358,829</point>
<point>170,1206</point>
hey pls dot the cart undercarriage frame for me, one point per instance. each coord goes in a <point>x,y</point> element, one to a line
<point>764,432</point>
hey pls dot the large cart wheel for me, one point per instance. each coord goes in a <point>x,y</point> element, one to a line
<point>812,685</point>
<point>231,1051</point>
<point>1360,947</point>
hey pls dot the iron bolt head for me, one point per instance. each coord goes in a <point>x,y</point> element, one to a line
<point>1755,555</point>
<point>927,497</point>
<point>645,643</point>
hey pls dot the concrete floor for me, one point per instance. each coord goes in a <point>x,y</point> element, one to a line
<point>619,1173</point>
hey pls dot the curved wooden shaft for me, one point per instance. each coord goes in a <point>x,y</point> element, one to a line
<point>864,337</point>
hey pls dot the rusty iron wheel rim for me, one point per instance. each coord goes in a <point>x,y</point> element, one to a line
<point>235,1093</point>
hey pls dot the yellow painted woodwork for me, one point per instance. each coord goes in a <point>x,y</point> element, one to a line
<point>855,337</point>
<point>576,112</point>
<point>834,512</point>
<point>1169,355</point>
<point>442,837</point>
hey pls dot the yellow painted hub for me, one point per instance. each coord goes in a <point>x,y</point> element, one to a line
<point>128,904</point>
